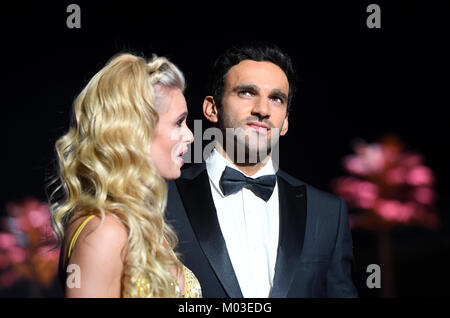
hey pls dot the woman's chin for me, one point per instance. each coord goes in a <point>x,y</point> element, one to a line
<point>177,174</point>
<point>172,175</point>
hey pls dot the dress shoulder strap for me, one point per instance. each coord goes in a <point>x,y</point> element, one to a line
<point>75,235</point>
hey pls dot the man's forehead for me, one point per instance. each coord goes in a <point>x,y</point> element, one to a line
<point>263,74</point>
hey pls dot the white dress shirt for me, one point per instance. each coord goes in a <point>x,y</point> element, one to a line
<point>249,226</point>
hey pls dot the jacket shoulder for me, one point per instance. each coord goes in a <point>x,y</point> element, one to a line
<point>313,193</point>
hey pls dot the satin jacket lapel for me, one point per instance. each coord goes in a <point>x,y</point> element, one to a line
<point>292,230</point>
<point>198,202</point>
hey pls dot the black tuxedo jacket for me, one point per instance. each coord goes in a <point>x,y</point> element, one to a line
<point>314,256</point>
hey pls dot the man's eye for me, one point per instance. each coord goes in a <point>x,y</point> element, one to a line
<point>245,93</point>
<point>277,99</point>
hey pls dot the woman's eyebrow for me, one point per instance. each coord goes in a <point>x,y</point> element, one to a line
<point>182,115</point>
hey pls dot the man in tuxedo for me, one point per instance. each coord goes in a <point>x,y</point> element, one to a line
<point>246,228</point>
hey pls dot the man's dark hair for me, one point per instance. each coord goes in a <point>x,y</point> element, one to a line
<point>256,51</point>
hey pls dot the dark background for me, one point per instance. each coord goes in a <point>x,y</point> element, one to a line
<point>357,83</point>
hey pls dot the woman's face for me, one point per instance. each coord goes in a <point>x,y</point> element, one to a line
<point>171,135</point>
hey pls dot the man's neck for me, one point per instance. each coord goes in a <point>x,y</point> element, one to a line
<point>248,169</point>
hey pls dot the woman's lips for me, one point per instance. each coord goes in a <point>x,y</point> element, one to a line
<point>180,157</point>
<point>180,161</point>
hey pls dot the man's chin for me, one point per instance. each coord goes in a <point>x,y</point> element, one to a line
<point>251,155</point>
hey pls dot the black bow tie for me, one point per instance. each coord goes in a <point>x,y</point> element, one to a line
<point>232,181</point>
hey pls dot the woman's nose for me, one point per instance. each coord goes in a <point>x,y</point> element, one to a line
<point>189,136</point>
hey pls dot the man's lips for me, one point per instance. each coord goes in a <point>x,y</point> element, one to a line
<point>258,126</point>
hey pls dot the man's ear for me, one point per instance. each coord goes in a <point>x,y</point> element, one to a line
<point>285,126</point>
<point>210,109</point>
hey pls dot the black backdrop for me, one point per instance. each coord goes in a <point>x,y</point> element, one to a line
<point>358,82</point>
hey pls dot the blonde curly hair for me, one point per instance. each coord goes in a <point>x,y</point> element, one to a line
<point>104,167</point>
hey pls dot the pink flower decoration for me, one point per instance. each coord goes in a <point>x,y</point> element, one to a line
<point>374,158</point>
<point>387,209</point>
<point>366,194</point>
<point>382,177</point>
<point>17,255</point>
<point>394,210</point>
<point>22,223</point>
<point>424,195</point>
<point>355,165</point>
<point>4,261</point>
<point>369,159</point>
<point>410,160</point>
<point>390,154</point>
<point>407,211</point>
<point>38,217</point>
<point>7,241</point>
<point>396,176</point>
<point>346,187</point>
<point>420,176</point>
<point>362,194</point>
<point>22,254</point>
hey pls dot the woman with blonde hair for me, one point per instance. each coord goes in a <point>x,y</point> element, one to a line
<point>127,136</point>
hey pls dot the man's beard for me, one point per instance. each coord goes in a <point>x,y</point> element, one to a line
<point>245,146</point>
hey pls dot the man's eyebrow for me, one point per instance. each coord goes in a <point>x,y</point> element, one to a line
<point>245,87</point>
<point>278,92</point>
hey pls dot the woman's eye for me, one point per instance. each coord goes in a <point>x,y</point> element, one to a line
<point>180,121</point>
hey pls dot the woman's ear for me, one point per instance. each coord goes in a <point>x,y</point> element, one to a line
<point>210,109</point>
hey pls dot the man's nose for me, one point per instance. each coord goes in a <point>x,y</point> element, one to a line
<point>261,108</point>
